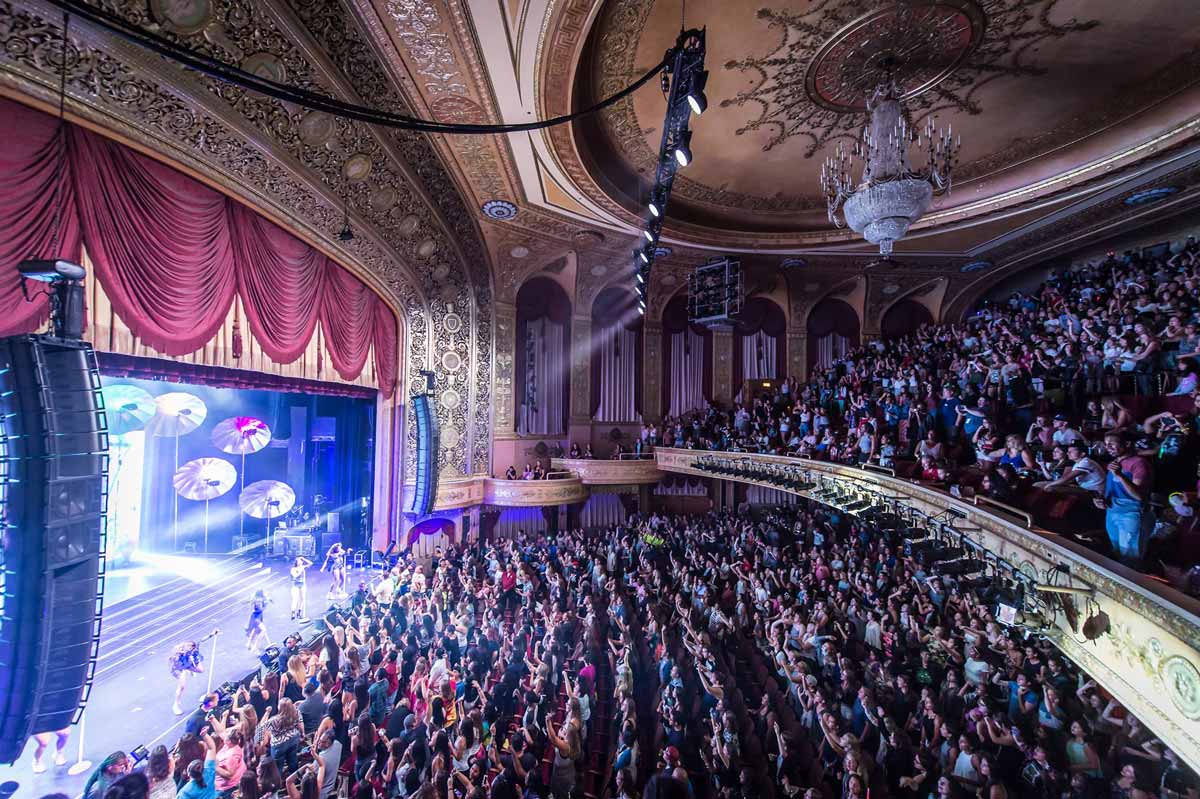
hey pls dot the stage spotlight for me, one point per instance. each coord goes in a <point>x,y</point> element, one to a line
<point>649,236</point>
<point>656,205</point>
<point>640,277</point>
<point>696,97</point>
<point>642,307</point>
<point>642,256</point>
<point>683,148</point>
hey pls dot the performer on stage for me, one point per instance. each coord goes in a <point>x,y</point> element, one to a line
<point>335,561</point>
<point>256,628</point>
<point>185,660</point>
<point>300,588</point>
<point>42,743</point>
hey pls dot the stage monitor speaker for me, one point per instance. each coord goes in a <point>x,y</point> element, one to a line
<point>53,466</point>
<point>425,489</point>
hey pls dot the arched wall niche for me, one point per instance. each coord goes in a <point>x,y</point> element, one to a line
<point>903,318</point>
<point>833,329</point>
<point>542,357</point>
<point>615,356</point>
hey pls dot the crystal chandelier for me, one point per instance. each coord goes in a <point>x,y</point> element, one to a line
<point>892,194</point>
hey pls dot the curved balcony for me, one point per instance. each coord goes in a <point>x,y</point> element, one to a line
<point>1146,655</point>
<point>562,488</point>
<point>626,471</point>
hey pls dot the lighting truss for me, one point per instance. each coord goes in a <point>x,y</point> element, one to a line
<point>683,80</point>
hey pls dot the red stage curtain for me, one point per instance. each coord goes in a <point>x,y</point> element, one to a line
<point>159,241</point>
<point>172,253</point>
<point>281,282</point>
<point>30,180</point>
<point>387,342</point>
<point>348,321</point>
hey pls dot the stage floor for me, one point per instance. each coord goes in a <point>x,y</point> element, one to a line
<point>148,610</point>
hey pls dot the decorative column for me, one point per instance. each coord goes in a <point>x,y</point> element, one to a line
<point>504,423</point>
<point>652,370</point>
<point>797,347</point>
<point>723,388</point>
<point>579,423</point>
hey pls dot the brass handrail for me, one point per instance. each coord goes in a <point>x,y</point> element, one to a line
<point>1014,511</point>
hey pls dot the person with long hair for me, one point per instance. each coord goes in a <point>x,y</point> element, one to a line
<point>158,770</point>
<point>256,628</point>
<point>202,774</point>
<point>189,748</point>
<point>269,778</point>
<point>335,561</point>
<point>184,660</point>
<point>299,577</point>
<point>111,769</point>
<point>248,786</point>
<point>283,733</point>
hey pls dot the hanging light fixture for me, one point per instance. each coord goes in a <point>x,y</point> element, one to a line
<point>891,194</point>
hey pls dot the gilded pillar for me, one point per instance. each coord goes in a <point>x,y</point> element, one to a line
<point>723,388</point>
<point>504,424</point>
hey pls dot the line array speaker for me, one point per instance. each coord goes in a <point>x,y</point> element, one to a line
<point>425,489</point>
<point>53,470</point>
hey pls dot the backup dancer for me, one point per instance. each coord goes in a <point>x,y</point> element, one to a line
<point>256,628</point>
<point>335,561</point>
<point>186,659</point>
<point>300,588</point>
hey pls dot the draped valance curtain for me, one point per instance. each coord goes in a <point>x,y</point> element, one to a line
<point>760,342</point>
<point>171,253</point>
<point>832,332</point>
<point>616,357</point>
<point>687,355</point>
<point>542,360</point>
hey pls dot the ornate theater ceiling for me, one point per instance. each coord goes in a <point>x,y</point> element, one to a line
<point>1077,117</point>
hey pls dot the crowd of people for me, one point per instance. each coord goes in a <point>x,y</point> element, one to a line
<point>794,652</point>
<point>1086,386</point>
<point>472,676</point>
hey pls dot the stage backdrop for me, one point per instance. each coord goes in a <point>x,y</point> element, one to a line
<point>338,466</point>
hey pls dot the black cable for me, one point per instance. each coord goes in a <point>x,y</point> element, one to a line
<point>61,135</point>
<point>228,73</point>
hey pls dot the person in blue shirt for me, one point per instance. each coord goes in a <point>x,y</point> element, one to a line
<point>202,775</point>
<point>948,412</point>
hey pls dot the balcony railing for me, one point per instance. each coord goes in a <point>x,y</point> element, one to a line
<point>626,471</point>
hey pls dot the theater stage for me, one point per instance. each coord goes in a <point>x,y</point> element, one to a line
<point>149,608</point>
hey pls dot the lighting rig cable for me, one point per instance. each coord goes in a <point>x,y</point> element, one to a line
<point>215,68</point>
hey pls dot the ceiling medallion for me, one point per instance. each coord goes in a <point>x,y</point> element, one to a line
<point>793,263</point>
<point>382,199</point>
<point>357,167</point>
<point>451,361</point>
<point>265,66</point>
<point>408,225</point>
<point>427,248</point>
<point>662,252</point>
<point>451,399</point>
<point>184,16</point>
<point>1150,195</point>
<point>317,129</point>
<point>599,270</point>
<point>669,280</point>
<point>915,44</point>
<point>975,266</point>
<point>519,252</point>
<point>888,289</point>
<point>499,209</point>
<point>817,80</point>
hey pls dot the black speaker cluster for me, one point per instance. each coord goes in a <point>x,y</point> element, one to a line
<point>53,468</point>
